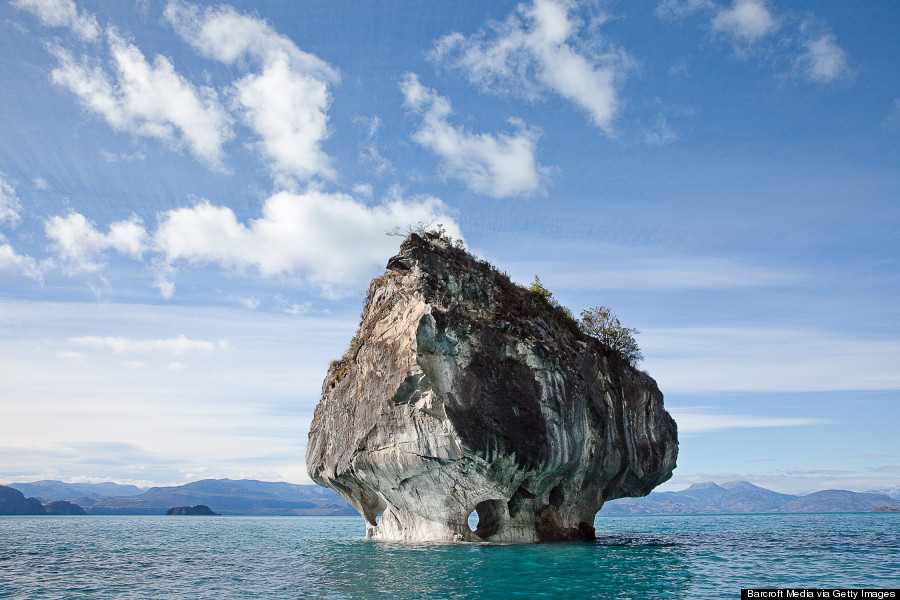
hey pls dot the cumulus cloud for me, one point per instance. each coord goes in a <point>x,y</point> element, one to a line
<point>746,20</point>
<point>177,346</point>
<point>9,202</point>
<point>10,260</point>
<point>535,51</point>
<point>329,239</point>
<point>823,60</point>
<point>78,242</point>
<point>145,99</point>
<point>499,165</point>
<point>62,13</point>
<point>286,103</point>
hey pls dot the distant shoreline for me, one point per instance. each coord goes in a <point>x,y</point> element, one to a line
<point>249,497</point>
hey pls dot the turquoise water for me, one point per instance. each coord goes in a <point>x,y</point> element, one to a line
<point>181,558</point>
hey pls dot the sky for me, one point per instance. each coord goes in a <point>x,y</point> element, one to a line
<point>193,197</point>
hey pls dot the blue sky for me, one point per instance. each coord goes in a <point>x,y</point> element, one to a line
<point>193,196</point>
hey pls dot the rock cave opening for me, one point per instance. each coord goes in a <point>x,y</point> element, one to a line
<point>491,515</point>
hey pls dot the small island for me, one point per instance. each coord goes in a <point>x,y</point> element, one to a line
<point>198,510</point>
<point>63,507</point>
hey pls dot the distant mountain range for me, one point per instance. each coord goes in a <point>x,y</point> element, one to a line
<point>737,497</point>
<point>224,496</point>
<point>49,489</point>
<point>263,498</point>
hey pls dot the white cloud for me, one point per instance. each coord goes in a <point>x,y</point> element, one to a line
<point>768,360</point>
<point>746,20</point>
<point>363,190</point>
<point>369,154</point>
<point>286,103</point>
<point>695,420</point>
<point>530,53</point>
<point>248,406</point>
<point>679,9</point>
<point>9,202</point>
<point>823,59</point>
<point>496,165</point>
<point>330,239</point>
<point>79,243</point>
<point>111,157</point>
<point>249,302</point>
<point>297,309</point>
<point>62,13</point>
<point>177,346</point>
<point>893,118</point>
<point>145,99</point>
<point>661,133</point>
<point>10,260</point>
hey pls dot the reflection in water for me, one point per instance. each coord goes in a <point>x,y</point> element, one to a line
<point>615,567</point>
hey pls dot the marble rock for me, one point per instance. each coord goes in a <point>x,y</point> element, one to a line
<point>463,392</point>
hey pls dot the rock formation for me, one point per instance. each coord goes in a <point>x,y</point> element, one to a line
<point>463,391</point>
<point>198,510</point>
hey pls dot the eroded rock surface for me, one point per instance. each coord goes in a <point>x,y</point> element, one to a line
<point>463,391</point>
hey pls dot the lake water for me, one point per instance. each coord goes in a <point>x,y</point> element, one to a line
<point>274,558</point>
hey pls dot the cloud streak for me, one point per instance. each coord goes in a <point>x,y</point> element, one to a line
<point>768,360</point>
<point>694,420</point>
<point>615,267</point>
<point>176,346</point>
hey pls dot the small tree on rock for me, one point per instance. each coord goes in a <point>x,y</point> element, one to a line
<point>537,288</point>
<point>599,322</point>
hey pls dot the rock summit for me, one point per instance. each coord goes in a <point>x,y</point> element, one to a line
<point>463,392</point>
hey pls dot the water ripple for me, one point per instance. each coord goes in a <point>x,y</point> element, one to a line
<point>297,558</point>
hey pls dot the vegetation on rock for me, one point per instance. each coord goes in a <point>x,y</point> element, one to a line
<point>600,323</point>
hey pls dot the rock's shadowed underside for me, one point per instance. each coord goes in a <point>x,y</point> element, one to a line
<point>463,391</point>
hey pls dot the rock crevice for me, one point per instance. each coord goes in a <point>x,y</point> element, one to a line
<point>464,392</point>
